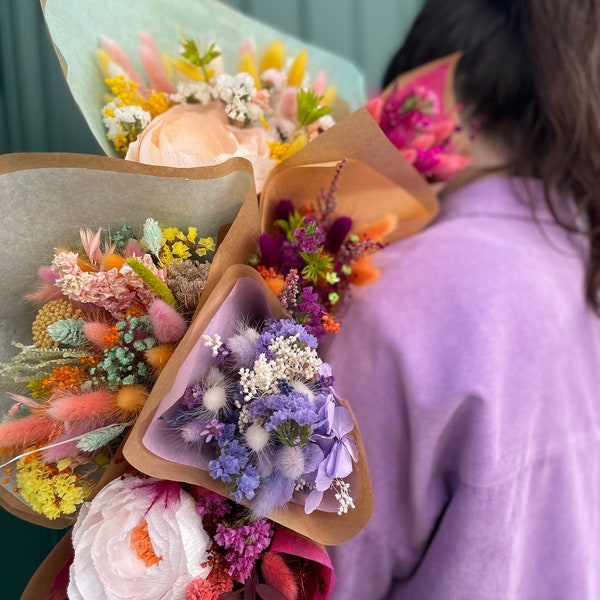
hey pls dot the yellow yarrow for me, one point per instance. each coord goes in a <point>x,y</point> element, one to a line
<point>278,150</point>
<point>156,104</point>
<point>50,491</point>
<point>125,90</point>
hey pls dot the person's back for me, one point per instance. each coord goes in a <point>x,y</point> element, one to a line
<point>474,362</point>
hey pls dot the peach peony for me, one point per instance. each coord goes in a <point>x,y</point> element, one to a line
<point>195,135</point>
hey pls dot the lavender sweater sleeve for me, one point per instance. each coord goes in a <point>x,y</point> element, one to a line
<point>473,366</point>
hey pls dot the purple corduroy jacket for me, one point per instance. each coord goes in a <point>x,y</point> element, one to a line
<point>473,367</point>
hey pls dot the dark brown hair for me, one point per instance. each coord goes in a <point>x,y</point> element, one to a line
<point>530,76</point>
<point>534,84</point>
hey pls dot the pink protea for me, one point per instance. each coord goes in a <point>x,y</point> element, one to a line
<point>77,407</point>
<point>23,432</point>
<point>279,575</point>
<point>168,325</point>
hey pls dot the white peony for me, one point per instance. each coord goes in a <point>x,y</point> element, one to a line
<point>139,538</point>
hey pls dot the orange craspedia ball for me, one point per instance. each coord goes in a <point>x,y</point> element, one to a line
<point>112,261</point>
<point>130,399</point>
<point>158,356</point>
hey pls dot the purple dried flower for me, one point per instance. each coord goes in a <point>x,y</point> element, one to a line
<point>270,250</point>
<point>337,234</point>
<point>192,397</point>
<point>283,210</point>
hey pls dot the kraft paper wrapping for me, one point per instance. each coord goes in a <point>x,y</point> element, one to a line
<point>48,197</point>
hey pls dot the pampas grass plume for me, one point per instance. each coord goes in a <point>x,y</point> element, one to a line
<point>278,575</point>
<point>131,398</point>
<point>96,332</point>
<point>76,407</point>
<point>20,433</point>
<point>168,325</point>
<point>158,356</point>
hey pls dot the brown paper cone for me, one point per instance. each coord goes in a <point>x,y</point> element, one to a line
<point>375,183</point>
<point>324,527</point>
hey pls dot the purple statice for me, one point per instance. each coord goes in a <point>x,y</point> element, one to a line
<point>210,503</point>
<point>232,466</point>
<point>192,397</point>
<point>288,328</point>
<point>225,434</point>
<point>291,417</point>
<point>244,545</point>
<point>246,484</point>
<point>310,237</point>
<point>310,311</point>
<point>231,461</point>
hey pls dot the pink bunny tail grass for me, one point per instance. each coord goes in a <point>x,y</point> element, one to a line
<point>319,83</point>
<point>68,449</point>
<point>47,275</point>
<point>279,575</point>
<point>20,433</point>
<point>44,293</point>
<point>95,332</point>
<point>79,407</point>
<point>288,104</point>
<point>168,325</point>
<point>132,249</point>
<point>120,57</point>
<point>153,63</point>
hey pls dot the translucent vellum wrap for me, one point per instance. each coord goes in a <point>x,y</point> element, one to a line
<point>47,198</point>
<point>154,449</point>
<point>77,26</point>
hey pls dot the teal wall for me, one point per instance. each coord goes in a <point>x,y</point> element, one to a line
<point>37,114</point>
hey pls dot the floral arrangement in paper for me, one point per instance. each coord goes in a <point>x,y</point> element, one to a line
<point>143,537</point>
<point>111,313</point>
<point>267,415</point>
<point>313,255</point>
<point>188,112</point>
<point>414,116</point>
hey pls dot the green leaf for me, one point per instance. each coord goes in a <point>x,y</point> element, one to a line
<point>308,107</point>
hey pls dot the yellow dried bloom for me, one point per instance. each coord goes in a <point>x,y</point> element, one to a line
<point>278,150</point>
<point>55,310</point>
<point>156,104</point>
<point>50,491</point>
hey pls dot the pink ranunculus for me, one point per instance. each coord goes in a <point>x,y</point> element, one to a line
<point>195,135</point>
<point>138,538</point>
